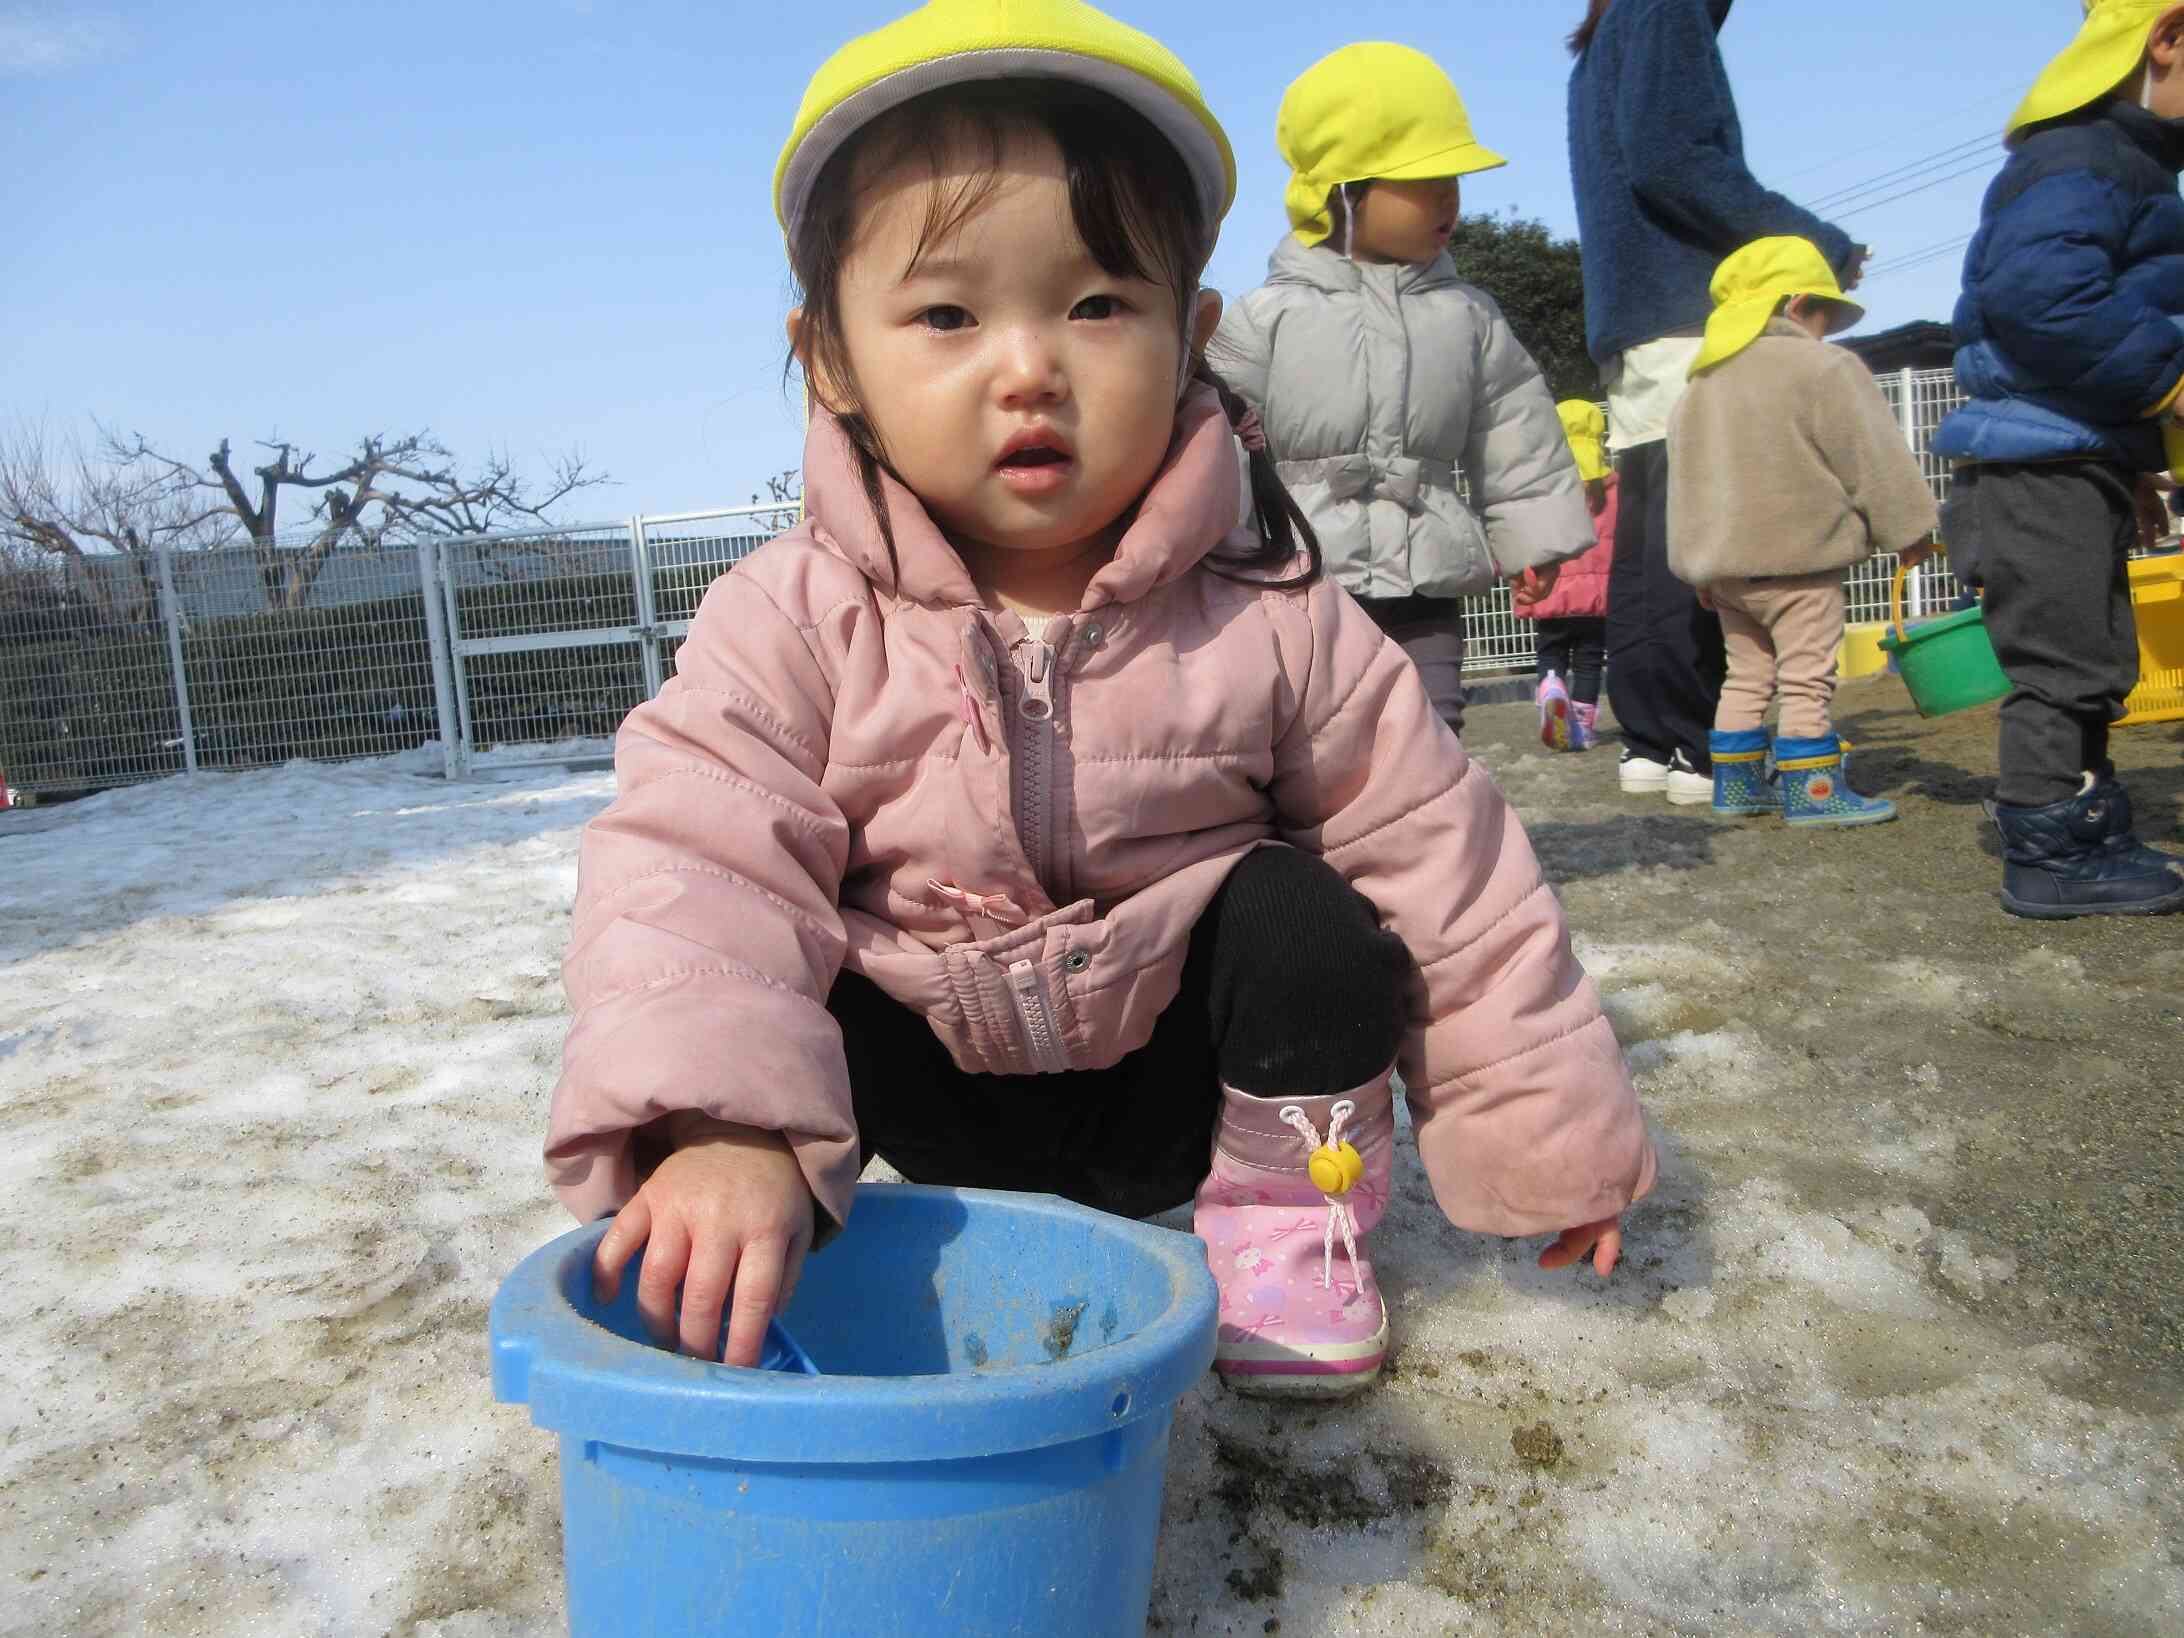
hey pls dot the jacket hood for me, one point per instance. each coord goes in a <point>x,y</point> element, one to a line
<point>1325,269</point>
<point>1191,506</point>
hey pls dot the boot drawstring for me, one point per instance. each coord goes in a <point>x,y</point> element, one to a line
<point>1335,1168</point>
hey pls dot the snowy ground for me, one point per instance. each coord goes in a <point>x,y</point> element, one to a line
<point>1897,1348</point>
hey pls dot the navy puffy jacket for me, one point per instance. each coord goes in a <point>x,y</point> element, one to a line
<point>2067,332</point>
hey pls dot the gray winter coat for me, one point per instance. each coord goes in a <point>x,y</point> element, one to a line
<point>1378,385</point>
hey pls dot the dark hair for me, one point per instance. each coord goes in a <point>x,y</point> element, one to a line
<point>1581,36</point>
<point>1135,213</point>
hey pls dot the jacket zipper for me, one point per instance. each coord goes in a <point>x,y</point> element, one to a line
<point>1029,994</point>
<point>1034,759</point>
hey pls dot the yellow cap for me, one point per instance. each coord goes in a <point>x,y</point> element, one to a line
<point>1587,430</point>
<point>2108,47</point>
<point>953,42</point>
<point>1371,112</point>
<point>1752,283</point>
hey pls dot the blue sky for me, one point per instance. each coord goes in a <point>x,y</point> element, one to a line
<point>548,226</point>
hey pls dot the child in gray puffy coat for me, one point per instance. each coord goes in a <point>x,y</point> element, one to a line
<point>1384,382</point>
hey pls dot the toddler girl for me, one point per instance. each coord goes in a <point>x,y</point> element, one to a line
<point>1573,618</point>
<point>1386,383</point>
<point>1034,814</point>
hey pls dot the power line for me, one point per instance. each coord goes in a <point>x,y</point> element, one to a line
<point>1912,169</point>
<point>1923,187</point>
<point>1917,258</point>
<point>1896,141</point>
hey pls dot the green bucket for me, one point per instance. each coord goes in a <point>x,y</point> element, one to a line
<point>1948,664</point>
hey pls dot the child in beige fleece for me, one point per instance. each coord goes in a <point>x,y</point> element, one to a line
<point>1786,468</point>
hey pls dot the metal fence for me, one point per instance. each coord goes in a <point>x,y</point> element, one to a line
<point>509,648</point>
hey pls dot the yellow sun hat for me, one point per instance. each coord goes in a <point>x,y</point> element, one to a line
<point>1752,283</point>
<point>954,42</point>
<point>1587,430</point>
<point>1371,112</point>
<point>2109,46</point>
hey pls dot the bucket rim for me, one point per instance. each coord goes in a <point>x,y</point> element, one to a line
<point>1939,626</point>
<point>583,1380</point>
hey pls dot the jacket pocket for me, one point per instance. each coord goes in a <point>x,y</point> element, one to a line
<point>1448,550</point>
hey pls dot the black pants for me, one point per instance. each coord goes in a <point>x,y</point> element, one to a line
<point>1575,648</point>
<point>1291,989</point>
<point>1665,657</point>
<point>1431,631</point>
<point>2048,542</point>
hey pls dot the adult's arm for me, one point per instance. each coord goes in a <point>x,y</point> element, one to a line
<point>1670,113</point>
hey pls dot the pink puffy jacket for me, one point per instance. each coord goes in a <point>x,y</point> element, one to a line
<point>1015,838</point>
<point>1581,590</point>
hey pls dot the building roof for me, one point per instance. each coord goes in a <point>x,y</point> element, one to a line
<point>1919,345</point>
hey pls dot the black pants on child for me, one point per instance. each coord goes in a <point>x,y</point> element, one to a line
<point>1575,648</point>
<point>2048,542</point>
<point>1665,655</point>
<point>1291,989</point>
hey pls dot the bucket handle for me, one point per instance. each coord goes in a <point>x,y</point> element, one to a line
<point>1895,592</point>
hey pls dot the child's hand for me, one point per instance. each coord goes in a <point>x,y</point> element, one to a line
<point>1604,1240</point>
<point>730,1212</point>
<point>1533,585</point>
<point>1912,556</point>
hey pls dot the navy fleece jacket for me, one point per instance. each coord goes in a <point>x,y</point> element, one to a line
<point>1657,160</point>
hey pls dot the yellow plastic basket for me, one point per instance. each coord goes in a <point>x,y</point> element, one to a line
<point>2157,602</point>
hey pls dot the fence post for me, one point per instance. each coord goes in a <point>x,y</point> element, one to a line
<point>648,624</point>
<point>172,617</point>
<point>443,658</point>
<point>1907,418</point>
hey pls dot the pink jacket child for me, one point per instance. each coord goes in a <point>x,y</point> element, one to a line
<point>1581,591</point>
<point>1573,625</point>
<point>1140,901</point>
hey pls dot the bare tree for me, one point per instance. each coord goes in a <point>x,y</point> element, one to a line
<point>103,519</point>
<point>786,490</point>
<point>411,483</point>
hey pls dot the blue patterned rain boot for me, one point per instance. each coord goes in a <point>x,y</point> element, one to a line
<point>1741,785</point>
<point>1814,791</point>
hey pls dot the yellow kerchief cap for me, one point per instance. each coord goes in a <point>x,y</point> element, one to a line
<point>953,42</point>
<point>2108,47</point>
<point>1587,430</point>
<point>1371,111</point>
<point>1752,283</point>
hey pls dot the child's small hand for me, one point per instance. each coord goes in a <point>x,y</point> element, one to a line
<point>1603,1240</point>
<point>728,1213</point>
<point>1912,556</point>
<point>1533,585</point>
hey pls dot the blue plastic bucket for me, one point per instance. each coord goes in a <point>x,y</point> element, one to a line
<point>984,1450</point>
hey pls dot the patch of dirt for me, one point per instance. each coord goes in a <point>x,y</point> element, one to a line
<point>1538,1446</point>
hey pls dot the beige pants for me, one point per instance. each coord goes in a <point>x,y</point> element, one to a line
<point>1782,636</point>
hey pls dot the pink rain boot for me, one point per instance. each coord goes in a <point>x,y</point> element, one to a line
<point>1584,726</point>
<point>1554,713</point>
<point>1283,1214</point>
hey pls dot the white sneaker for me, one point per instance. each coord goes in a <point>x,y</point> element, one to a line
<point>1685,788</point>
<point>1642,776</point>
<point>1690,790</point>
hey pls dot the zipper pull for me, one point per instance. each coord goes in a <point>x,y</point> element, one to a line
<point>1037,665</point>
